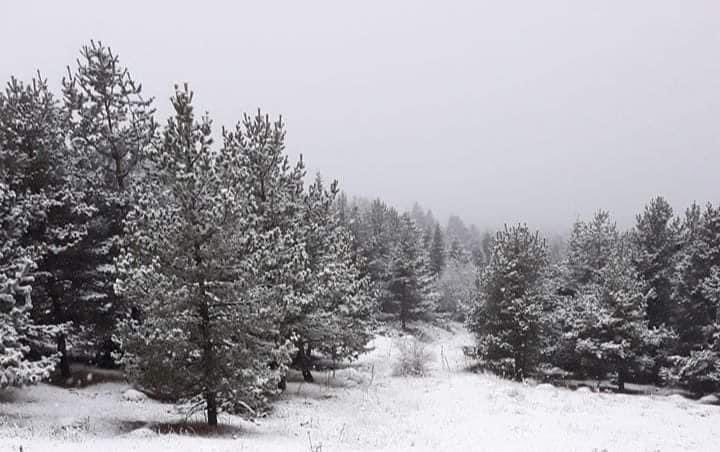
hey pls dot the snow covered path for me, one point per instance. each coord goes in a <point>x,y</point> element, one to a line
<point>365,407</point>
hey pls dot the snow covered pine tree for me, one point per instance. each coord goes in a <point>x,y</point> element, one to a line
<point>42,170</point>
<point>20,209</point>
<point>111,128</point>
<point>606,321</point>
<point>411,282</point>
<point>192,264</point>
<point>337,318</point>
<point>506,317</point>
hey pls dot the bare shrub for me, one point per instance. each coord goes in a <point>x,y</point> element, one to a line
<point>413,358</point>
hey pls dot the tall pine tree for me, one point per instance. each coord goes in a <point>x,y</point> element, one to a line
<point>37,159</point>
<point>193,263</point>
<point>410,282</point>
<point>656,241</point>
<point>111,128</point>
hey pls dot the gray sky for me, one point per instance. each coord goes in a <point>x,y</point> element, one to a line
<point>540,110</point>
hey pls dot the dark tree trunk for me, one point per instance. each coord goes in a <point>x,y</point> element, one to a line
<point>307,376</point>
<point>212,412</point>
<point>61,342</point>
<point>64,365</point>
<point>518,369</point>
<point>621,380</point>
<point>208,350</point>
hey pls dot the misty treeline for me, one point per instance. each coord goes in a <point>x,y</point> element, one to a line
<point>636,306</point>
<point>204,270</point>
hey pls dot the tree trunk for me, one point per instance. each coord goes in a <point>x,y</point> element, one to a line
<point>61,342</point>
<point>211,408</point>
<point>518,369</point>
<point>208,350</point>
<point>621,380</point>
<point>307,376</point>
<point>64,364</point>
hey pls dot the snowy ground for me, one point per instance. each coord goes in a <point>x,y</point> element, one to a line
<point>365,407</point>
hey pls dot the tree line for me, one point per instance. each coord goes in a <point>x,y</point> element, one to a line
<point>205,270</point>
<point>636,306</point>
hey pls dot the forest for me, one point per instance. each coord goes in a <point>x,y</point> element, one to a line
<point>204,264</point>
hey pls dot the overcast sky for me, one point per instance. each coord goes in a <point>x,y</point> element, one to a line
<point>499,111</point>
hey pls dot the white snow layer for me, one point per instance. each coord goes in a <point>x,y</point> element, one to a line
<point>364,407</point>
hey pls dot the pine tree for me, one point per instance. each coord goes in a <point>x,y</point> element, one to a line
<point>591,247</point>
<point>111,122</point>
<point>36,161</point>
<point>603,317</point>
<point>506,317</point>
<point>610,331</point>
<point>696,293</point>
<point>111,128</point>
<point>337,317</point>
<point>20,210</point>
<point>476,249</point>
<point>278,190</point>
<point>410,281</point>
<point>656,241</point>
<point>377,238</point>
<point>16,326</point>
<point>437,251</point>
<point>457,287</point>
<point>194,264</point>
<point>487,244</point>
<point>698,260</point>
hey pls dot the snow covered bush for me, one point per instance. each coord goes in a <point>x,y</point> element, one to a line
<point>413,357</point>
<point>699,372</point>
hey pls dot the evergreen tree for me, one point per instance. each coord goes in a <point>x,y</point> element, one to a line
<point>111,128</point>
<point>698,261</point>
<point>194,264</point>
<point>475,247</point>
<point>16,326</point>
<point>507,315</point>
<point>20,210</point>
<point>603,316</point>
<point>656,242</point>
<point>410,282</point>
<point>457,287</point>
<point>457,251</point>
<point>456,230</point>
<point>437,251</point>
<point>377,238</point>
<point>337,317</point>
<point>696,294</point>
<point>487,244</point>
<point>592,245</point>
<point>36,165</point>
<point>279,207</point>
<point>609,329</point>
<point>112,124</point>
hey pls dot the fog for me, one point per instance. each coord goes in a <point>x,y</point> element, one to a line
<point>534,111</point>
